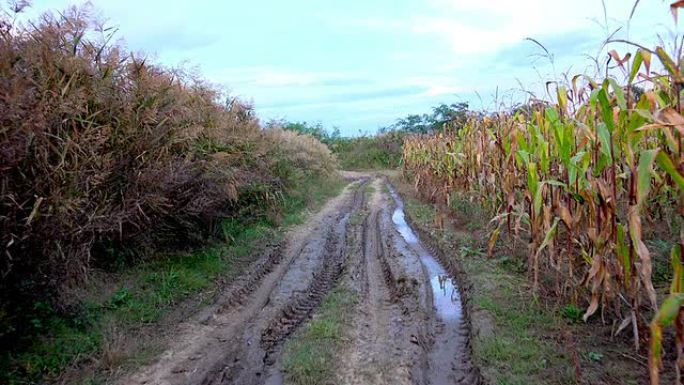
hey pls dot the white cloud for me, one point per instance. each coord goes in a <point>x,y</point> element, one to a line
<point>478,27</point>
<point>264,76</point>
<point>434,85</point>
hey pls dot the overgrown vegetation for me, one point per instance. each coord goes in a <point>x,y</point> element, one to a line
<point>117,306</point>
<point>383,150</point>
<point>378,152</point>
<point>575,179</point>
<point>109,161</point>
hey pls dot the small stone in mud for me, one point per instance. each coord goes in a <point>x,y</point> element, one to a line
<point>414,339</point>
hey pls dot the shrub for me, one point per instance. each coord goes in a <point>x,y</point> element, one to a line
<point>382,151</point>
<point>106,156</point>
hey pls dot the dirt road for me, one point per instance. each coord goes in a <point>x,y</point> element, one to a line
<point>408,326</point>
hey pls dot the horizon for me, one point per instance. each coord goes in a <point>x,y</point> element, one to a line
<point>359,67</point>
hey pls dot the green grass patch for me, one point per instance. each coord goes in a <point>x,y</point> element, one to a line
<point>141,295</point>
<point>356,218</point>
<point>309,357</point>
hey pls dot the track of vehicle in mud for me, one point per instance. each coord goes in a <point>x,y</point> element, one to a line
<point>301,306</point>
<point>250,363</point>
<point>395,336</point>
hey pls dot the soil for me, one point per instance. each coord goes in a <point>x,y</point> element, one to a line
<point>403,329</point>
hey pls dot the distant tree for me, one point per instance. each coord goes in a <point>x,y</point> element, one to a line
<point>636,92</point>
<point>454,115</point>
<point>444,115</point>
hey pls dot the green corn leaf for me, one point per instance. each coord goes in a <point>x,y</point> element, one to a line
<point>669,309</point>
<point>644,172</point>
<point>562,93</point>
<point>666,164</point>
<point>668,63</point>
<point>678,269</point>
<point>604,137</point>
<point>544,159</point>
<point>554,183</point>
<point>593,98</point>
<point>538,200</point>
<point>619,94</point>
<point>534,187</point>
<point>636,64</point>
<point>532,178</point>
<point>549,235</point>
<point>646,114</point>
<point>665,317</point>
<point>575,167</point>
<point>622,251</point>
<point>606,109</point>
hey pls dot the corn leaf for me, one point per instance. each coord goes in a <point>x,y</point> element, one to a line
<point>666,164</point>
<point>644,172</point>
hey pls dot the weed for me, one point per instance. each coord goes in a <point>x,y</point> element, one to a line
<point>572,313</point>
<point>594,356</point>
<point>356,218</point>
<point>309,357</point>
<point>111,160</point>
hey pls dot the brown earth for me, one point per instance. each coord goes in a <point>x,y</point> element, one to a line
<point>396,337</point>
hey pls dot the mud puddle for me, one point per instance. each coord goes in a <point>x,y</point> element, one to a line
<point>450,338</point>
<point>445,295</point>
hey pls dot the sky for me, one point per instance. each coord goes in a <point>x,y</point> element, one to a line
<point>361,64</point>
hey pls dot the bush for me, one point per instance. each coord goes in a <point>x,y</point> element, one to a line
<point>382,151</point>
<point>106,156</point>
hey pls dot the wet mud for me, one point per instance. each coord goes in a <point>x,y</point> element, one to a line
<point>410,324</point>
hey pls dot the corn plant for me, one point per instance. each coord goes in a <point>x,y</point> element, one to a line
<point>575,178</point>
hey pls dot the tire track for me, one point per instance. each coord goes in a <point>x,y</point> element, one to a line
<point>257,348</point>
<point>302,305</point>
<point>396,332</point>
<point>220,344</point>
<point>450,356</point>
<point>381,348</point>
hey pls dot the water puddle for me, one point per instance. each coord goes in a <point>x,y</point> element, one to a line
<point>447,356</point>
<point>446,298</point>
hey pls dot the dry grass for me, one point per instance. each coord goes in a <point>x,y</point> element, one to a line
<point>106,157</point>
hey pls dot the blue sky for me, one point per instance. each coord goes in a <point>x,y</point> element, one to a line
<point>361,64</point>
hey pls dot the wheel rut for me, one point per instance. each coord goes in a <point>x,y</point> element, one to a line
<point>398,335</point>
<point>235,339</point>
<point>288,306</point>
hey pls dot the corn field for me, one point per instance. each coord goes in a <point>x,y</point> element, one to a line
<point>575,179</point>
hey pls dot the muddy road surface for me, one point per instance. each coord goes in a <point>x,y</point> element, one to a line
<point>408,326</point>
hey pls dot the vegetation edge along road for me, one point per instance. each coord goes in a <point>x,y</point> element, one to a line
<point>130,314</point>
<point>518,338</point>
